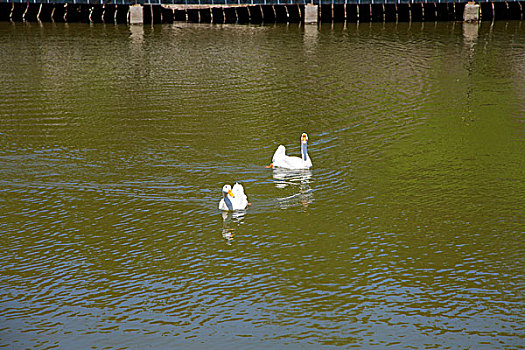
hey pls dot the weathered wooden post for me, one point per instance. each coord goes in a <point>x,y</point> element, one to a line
<point>471,12</point>
<point>136,15</point>
<point>311,13</point>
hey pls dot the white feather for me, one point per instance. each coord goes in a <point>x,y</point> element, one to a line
<point>281,160</point>
<point>238,201</point>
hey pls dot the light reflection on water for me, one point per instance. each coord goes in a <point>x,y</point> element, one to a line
<point>231,220</point>
<point>299,181</point>
<point>116,141</point>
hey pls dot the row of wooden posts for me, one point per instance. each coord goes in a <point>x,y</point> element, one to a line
<point>256,13</point>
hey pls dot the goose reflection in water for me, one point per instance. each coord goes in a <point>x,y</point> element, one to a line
<point>230,221</point>
<point>300,181</point>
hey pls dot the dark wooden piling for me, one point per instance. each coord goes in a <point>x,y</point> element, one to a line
<point>500,10</point>
<point>58,13</point>
<point>192,15</point>
<point>390,13</point>
<point>17,12</point>
<point>95,14</point>
<point>5,11</point>
<point>108,13</point>
<point>205,15</point>
<point>515,11</point>
<point>72,13</point>
<point>156,14</point>
<point>351,13</point>
<point>217,15</point>
<point>416,12</point>
<point>302,12</point>
<point>294,13</point>
<point>452,12</point>
<point>325,13</point>
<point>338,13</point>
<point>487,11</point>
<point>281,14</point>
<point>268,13</point>
<point>230,15</point>
<point>403,12</point>
<point>121,14</point>
<point>364,13</point>
<point>377,14</point>
<point>31,12</point>
<point>459,10</point>
<point>429,12</point>
<point>255,14</point>
<point>243,15</point>
<point>180,15</point>
<point>84,13</point>
<point>77,13</point>
<point>44,12</point>
<point>441,12</point>
<point>166,14</point>
<point>147,16</point>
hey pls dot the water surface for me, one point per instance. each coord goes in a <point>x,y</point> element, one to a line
<point>408,232</point>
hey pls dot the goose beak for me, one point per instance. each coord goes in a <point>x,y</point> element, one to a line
<point>269,166</point>
<point>304,137</point>
<point>231,193</point>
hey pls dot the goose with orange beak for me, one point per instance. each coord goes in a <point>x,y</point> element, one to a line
<point>233,198</point>
<point>281,160</point>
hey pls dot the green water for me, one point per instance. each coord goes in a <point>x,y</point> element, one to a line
<point>407,233</point>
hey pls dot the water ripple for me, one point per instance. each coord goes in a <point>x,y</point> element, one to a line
<point>405,233</point>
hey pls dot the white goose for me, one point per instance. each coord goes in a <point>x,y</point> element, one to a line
<point>281,160</point>
<point>233,198</point>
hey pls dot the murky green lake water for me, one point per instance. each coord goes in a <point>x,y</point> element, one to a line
<point>408,232</point>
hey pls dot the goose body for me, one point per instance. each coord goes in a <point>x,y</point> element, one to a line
<point>281,160</point>
<point>233,198</point>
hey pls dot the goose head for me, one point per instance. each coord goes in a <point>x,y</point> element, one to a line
<point>304,149</point>
<point>227,190</point>
<point>304,138</point>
